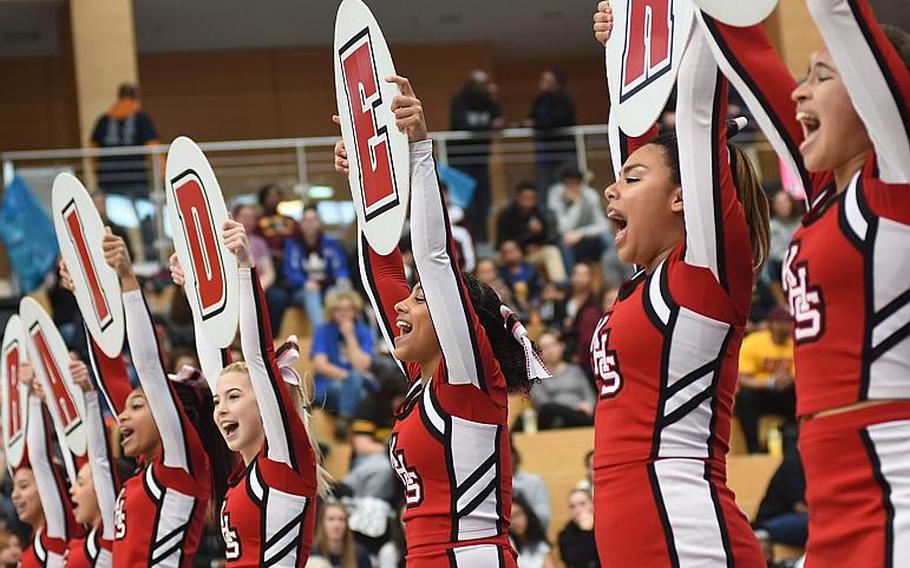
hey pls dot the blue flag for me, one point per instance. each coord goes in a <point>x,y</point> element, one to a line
<point>28,232</point>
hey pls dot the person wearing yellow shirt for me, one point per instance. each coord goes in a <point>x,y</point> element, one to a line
<point>766,376</point>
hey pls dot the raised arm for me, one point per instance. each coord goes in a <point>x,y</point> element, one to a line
<point>716,233</point>
<point>754,68</point>
<point>465,348</point>
<point>52,486</point>
<point>876,78</point>
<point>286,437</point>
<point>100,454</point>
<point>173,426</point>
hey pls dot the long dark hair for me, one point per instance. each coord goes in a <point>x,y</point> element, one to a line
<point>199,407</point>
<point>534,532</point>
<point>748,190</point>
<point>509,352</point>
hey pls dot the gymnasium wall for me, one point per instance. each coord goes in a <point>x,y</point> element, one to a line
<point>230,95</point>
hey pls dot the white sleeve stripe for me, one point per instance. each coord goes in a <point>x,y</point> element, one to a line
<point>699,95</point>
<point>876,97</point>
<point>438,274</point>
<point>50,493</point>
<point>161,399</point>
<point>747,87</point>
<point>100,463</point>
<point>253,338</point>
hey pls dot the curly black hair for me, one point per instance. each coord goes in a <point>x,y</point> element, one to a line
<point>509,352</point>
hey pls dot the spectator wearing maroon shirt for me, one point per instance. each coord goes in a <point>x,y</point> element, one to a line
<point>583,310</point>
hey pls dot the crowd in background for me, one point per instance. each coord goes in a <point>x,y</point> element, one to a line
<point>551,258</point>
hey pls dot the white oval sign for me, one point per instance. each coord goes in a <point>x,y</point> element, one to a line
<point>15,395</point>
<point>378,155</point>
<point>80,230</point>
<point>49,357</point>
<point>741,14</point>
<point>197,211</point>
<point>643,57</point>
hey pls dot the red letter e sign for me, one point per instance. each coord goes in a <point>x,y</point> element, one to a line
<point>379,189</point>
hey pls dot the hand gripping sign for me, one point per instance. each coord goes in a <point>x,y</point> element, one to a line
<point>643,57</point>
<point>50,360</point>
<point>197,211</point>
<point>80,230</point>
<point>379,173</point>
<point>15,395</point>
<point>740,14</point>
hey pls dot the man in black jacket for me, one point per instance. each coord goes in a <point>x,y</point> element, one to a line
<point>475,109</point>
<point>533,227</point>
<point>553,108</point>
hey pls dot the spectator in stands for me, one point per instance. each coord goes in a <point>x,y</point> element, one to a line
<point>576,541</point>
<point>518,275</point>
<point>583,310</point>
<point>124,124</point>
<point>334,540</point>
<point>525,221</point>
<point>567,399</point>
<point>272,226</point>
<point>475,108</point>
<point>529,537</point>
<point>785,219</point>
<point>532,487</point>
<point>553,108</point>
<point>615,272</point>
<point>313,263</point>
<point>392,553</point>
<point>488,273</point>
<point>100,200</point>
<point>766,376</point>
<point>766,295</point>
<point>370,474</point>
<point>552,306</point>
<point>783,514</point>
<point>467,255</point>
<point>341,354</point>
<point>580,217</point>
<point>587,484</point>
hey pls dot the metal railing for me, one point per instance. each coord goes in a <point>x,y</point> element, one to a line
<point>243,166</point>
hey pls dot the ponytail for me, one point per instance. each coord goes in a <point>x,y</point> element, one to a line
<point>754,200</point>
<point>508,351</point>
<point>748,190</point>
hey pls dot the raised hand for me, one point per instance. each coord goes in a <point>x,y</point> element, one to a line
<point>66,279</point>
<point>603,22</point>
<point>79,372</point>
<point>177,275</point>
<point>408,110</point>
<point>27,375</point>
<point>234,237</point>
<point>116,254</point>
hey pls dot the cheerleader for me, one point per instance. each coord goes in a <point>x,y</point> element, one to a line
<point>269,511</point>
<point>463,353</point>
<point>846,132</point>
<point>161,510</point>
<point>689,211</point>
<point>39,487</point>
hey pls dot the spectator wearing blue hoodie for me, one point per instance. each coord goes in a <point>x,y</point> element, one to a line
<point>314,263</point>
